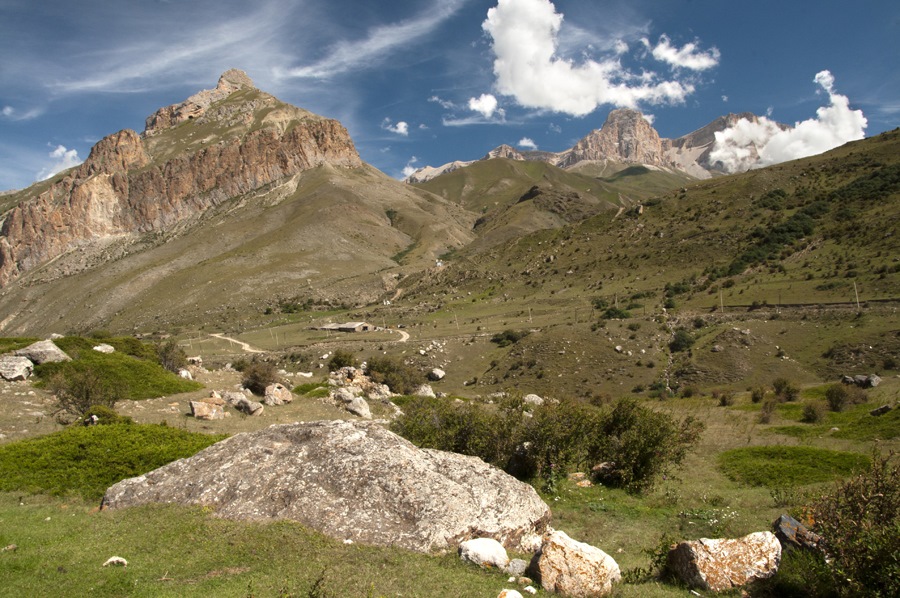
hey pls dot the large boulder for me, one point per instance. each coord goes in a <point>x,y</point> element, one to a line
<point>350,480</point>
<point>723,564</point>
<point>571,568</point>
<point>43,352</point>
<point>15,367</point>
<point>206,410</point>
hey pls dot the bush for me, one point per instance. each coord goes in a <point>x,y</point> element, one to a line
<point>859,521</point>
<point>508,337</point>
<point>77,391</point>
<point>757,394</point>
<point>768,409</point>
<point>171,356</point>
<point>399,377</point>
<point>615,313</point>
<point>837,397</point>
<point>258,375</point>
<point>813,412</point>
<point>726,397</point>
<point>682,341</point>
<point>638,444</point>
<point>342,359</point>
<point>105,416</point>
<point>785,391</point>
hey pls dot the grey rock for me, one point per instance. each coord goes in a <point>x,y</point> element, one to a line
<point>717,348</point>
<point>245,405</point>
<point>424,390</point>
<point>533,399</point>
<point>15,367</point>
<point>436,374</point>
<point>43,352</point>
<point>880,410</point>
<point>793,534</point>
<point>349,480</point>
<point>359,406</point>
<point>873,380</point>
<point>104,348</point>
<point>517,567</point>
<point>277,394</point>
<point>484,552</point>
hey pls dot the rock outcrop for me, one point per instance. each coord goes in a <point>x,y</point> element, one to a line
<point>350,480</point>
<point>625,137</point>
<point>133,184</point>
<point>43,352</point>
<point>15,368</point>
<point>724,564</point>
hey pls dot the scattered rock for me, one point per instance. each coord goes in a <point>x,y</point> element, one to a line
<point>43,352</point>
<point>207,411</point>
<point>873,380</point>
<point>359,406</point>
<point>186,374</point>
<point>516,567</point>
<point>574,568</point>
<point>618,348</point>
<point>533,399</point>
<point>717,348</point>
<point>214,398</point>
<point>277,394</point>
<point>104,348</point>
<point>880,410</point>
<point>195,360</point>
<point>350,480</point>
<point>424,390</point>
<point>530,590</point>
<point>15,367</point>
<point>436,374</point>
<point>349,400</point>
<point>245,405</point>
<point>509,594</point>
<point>862,380</point>
<point>723,564</point>
<point>484,552</point>
<point>115,561</point>
<point>793,534</point>
<point>10,548</point>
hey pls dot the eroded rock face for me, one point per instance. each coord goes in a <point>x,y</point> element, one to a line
<point>626,136</point>
<point>132,184</point>
<point>573,568</point>
<point>723,564</point>
<point>350,480</point>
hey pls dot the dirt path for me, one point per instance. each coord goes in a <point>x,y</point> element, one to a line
<point>404,335</point>
<point>242,344</point>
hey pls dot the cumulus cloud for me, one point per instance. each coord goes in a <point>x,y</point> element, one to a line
<point>485,104</point>
<point>749,144</point>
<point>401,128</point>
<point>409,168</point>
<point>62,159</point>
<point>527,143</point>
<point>686,57</point>
<point>528,66</point>
<point>620,46</point>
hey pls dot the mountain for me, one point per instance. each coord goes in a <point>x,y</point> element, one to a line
<point>626,139</point>
<point>229,199</point>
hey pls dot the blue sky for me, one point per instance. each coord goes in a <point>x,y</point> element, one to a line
<point>424,82</point>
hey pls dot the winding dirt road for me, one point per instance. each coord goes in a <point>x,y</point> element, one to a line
<point>242,344</point>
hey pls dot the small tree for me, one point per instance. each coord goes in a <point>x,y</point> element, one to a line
<point>342,359</point>
<point>78,390</point>
<point>837,397</point>
<point>171,356</point>
<point>258,375</point>
<point>682,341</point>
<point>399,377</point>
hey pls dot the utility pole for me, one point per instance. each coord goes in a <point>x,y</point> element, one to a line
<point>721,302</point>
<point>857,295</point>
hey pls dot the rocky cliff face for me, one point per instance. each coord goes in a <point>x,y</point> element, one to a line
<point>134,183</point>
<point>626,137</point>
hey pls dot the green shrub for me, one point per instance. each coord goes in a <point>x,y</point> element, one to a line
<point>399,377</point>
<point>813,412</point>
<point>508,337</point>
<point>784,390</point>
<point>638,444</point>
<point>86,460</point>
<point>767,411</point>
<point>105,416</point>
<point>682,341</point>
<point>860,523</point>
<point>837,397</point>
<point>258,375</point>
<point>757,394</point>
<point>615,313</point>
<point>342,359</point>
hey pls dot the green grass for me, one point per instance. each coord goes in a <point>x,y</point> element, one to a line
<point>783,466</point>
<point>85,461</point>
<point>179,551</point>
<point>138,377</point>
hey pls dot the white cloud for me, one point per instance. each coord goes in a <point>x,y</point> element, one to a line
<point>485,104</point>
<point>686,57</point>
<point>528,67</point>
<point>409,168</point>
<point>379,42</point>
<point>11,113</point>
<point>620,46</point>
<point>724,98</point>
<point>63,159</point>
<point>401,128</point>
<point>445,104</point>
<point>527,143</point>
<point>650,118</point>
<point>555,128</point>
<point>753,145</point>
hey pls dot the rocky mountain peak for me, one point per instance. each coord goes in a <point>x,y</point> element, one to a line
<point>504,151</point>
<point>195,106</point>
<point>626,136</point>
